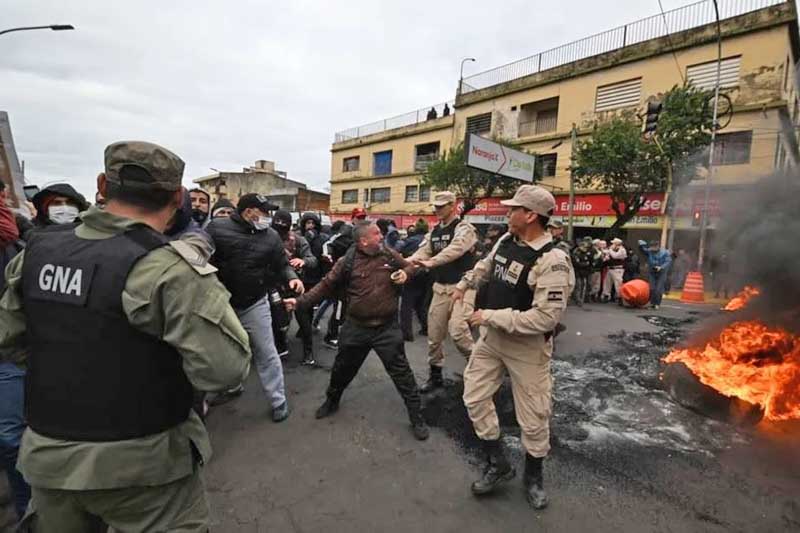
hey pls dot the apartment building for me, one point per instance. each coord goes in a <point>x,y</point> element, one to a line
<point>535,103</point>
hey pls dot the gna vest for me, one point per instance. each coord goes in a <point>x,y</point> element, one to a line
<point>91,376</point>
<point>451,273</point>
<point>508,282</point>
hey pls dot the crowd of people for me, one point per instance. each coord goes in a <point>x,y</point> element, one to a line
<point>189,292</point>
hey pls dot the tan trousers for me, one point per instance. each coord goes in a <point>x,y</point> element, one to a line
<point>613,278</point>
<point>595,282</point>
<point>177,507</point>
<point>445,317</point>
<point>527,360</point>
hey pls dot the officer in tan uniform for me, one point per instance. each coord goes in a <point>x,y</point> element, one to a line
<point>527,282</point>
<point>116,325</point>
<point>447,252</point>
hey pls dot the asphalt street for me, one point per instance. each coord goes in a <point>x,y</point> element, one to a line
<point>625,457</point>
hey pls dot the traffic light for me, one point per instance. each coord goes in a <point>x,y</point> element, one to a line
<point>697,217</point>
<point>651,120</point>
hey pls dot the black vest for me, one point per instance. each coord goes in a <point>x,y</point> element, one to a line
<point>508,282</point>
<point>451,273</point>
<point>91,376</point>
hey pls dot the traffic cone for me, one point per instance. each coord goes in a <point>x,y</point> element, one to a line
<point>693,289</point>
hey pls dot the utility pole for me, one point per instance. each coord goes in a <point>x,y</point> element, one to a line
<point>574,141</point>
<point>704,214</point>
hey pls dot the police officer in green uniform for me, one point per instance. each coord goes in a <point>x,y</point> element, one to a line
<point>116,325</point>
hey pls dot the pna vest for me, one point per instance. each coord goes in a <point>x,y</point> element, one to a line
<point>91,376</point>
<point>508,284</point>
<point>451,273</point>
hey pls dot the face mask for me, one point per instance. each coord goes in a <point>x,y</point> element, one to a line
<point>199,216</point>
<point>262,223</point>
<point>62,214</point>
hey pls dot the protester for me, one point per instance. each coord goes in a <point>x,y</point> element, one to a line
<point>301,258</point>
<point>680,268</point>
<point>201,205</point>
<point>389,232</point>
<point>616,268</point>
<point>57,204</point>
<point>632,266</point>
<point>414,291</point>
<point>598,263</point>
<point>327,263</point>
<point>250,254</point>
<point>490,238</point>
<point>447,254</point>
<point>369,275</point>
<point>720,268</point>
<point>224,208</point>
<point>112,436</point>
<point>522,310</point>
<point>582,261</point>
<point>658,261</point>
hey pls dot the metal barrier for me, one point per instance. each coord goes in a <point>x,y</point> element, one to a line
<point>677,20</point>
<point>406,119</point>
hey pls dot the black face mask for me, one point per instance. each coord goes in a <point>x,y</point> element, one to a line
<point>199,216</point>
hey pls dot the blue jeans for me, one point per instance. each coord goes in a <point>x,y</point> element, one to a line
<point>657,282</point>
<point>12,424</point>
<point>257,321</point>
<point>323,307</point>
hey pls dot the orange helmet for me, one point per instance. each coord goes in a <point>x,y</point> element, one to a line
<point>358,212</point>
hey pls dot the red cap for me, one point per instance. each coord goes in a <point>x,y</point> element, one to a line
<point>358,212</point>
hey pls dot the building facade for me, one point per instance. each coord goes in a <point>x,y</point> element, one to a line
<point>536,102</point>
<point>262,178</point>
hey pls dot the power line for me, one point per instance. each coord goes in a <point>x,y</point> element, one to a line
<point>669,42</point>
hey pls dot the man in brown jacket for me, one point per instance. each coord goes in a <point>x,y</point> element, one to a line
<point>369,277</point>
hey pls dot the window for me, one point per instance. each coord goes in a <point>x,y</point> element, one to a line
<point>618,95</point>
<point>382,163</point>
<point>350,196</point>
<point>704,75</point>
<point>351,164</point>
<point>412,193</point>
<point>733,148</point>
<point>418,193</point>
<point>425,155</point>
<point>479,124</point>
<point>424,193</point>
<point>546,165</point>
<point>539,117</point>
<point>381,195</point>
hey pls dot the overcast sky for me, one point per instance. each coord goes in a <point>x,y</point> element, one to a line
<point>225,83</point>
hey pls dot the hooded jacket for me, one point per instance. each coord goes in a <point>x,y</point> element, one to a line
<point>58,189</point>
<point>222,202</point>
<point>316,240</point>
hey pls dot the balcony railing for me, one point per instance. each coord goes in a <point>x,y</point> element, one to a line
<point>677,20</point>
<point>406,119</point>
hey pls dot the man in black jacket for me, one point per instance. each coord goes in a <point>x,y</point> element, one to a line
<point>249,254</point>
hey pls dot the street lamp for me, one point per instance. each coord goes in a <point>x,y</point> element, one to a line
<point>461,75</point>
<point>54,27</point>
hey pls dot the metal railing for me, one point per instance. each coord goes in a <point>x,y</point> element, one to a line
<point>677,20</point>
<point>406,119</point>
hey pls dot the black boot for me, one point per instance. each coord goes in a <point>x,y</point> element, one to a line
<point>534,482</point>
<point>308,355</point>
<point>497,469</point>
<point>330,406</point>
<point>435,381</point>
<point>419,427</point>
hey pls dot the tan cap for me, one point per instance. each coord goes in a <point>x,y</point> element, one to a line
<point>158,168</point>
<point>616,240</point>
<point>555,224</point>
<point>534,199</point>
<point>443,198</point>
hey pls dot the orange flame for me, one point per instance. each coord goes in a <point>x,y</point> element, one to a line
<point>752,361</point>
<point>741,299</point>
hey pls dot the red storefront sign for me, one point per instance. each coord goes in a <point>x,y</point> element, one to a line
<point>585,204</point>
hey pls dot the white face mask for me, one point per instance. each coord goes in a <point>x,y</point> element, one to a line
<point>262,223</point>
<point>62,214</point>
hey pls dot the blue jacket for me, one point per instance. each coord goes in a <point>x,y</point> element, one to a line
<point>661,258</point>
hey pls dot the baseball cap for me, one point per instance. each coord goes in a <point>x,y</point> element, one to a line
<point>555,224</point>
<point>443,198</point>
<point>358,212</point>
<point>255,200</point>
<point>616,240</point>
<point>534,199</point>
<point>143,165</point>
